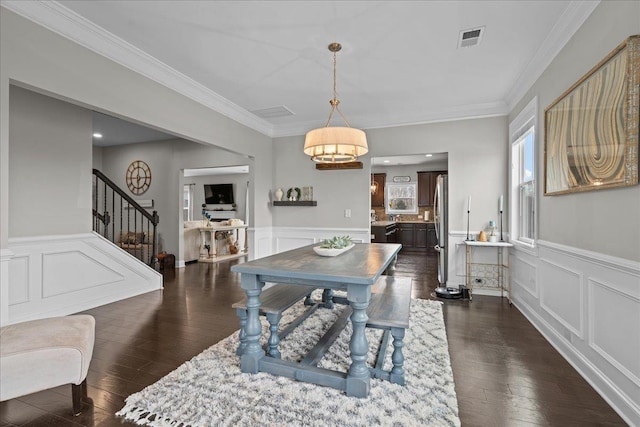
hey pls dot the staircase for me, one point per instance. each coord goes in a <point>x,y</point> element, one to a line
<point>121,220</point>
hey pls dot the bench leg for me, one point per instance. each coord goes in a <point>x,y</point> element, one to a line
<point>242,335</point>
<point>79,396</point>
<point>308,300</point>
<point>397,373</point>
<point>274,339</point>
<point>327,298</point>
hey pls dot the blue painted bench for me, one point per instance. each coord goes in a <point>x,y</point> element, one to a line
<point>273,302</point>
<point>389,310</point>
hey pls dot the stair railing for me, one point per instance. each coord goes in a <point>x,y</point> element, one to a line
<point>121,220</point>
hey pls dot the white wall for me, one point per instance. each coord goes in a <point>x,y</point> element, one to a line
<point>239,182</point>
<point>50,166</point>
<point>167,160</point>
<point>604,221</point>
<point>476,166</point>
<point>581,285</point>
<point>36,58</point>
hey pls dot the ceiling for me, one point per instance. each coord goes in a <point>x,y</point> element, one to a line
<point>413,159</point>
<point>400,62</point>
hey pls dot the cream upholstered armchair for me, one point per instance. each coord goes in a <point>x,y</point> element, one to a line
<point>46,353</point>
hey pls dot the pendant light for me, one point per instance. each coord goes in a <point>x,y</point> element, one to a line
<point>335,144</point>
<point>374,185</point>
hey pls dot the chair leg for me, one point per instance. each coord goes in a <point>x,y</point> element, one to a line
<point>79,396</point>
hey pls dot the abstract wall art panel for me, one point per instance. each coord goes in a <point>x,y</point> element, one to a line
<point>591,131</point>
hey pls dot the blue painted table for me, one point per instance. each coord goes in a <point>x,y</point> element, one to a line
<point>354,271</point>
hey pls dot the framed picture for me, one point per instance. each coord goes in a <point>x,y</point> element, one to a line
<point>401,179</point>
<point>591,131</point>
<point>401,198</point>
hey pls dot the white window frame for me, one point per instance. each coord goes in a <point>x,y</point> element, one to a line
<point>525,122</point>
<point>188,191</point>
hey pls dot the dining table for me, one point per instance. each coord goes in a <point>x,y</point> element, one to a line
<point>354,271</point>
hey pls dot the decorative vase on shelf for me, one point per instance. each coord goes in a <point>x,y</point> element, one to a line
<point>279,193</point>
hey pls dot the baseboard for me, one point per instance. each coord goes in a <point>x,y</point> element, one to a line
<point>629,412</point>
<point>568,294</point>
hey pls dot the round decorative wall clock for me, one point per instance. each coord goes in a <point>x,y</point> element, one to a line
<point>138,177</point>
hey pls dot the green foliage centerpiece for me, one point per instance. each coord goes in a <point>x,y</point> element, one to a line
<point>334,246</point>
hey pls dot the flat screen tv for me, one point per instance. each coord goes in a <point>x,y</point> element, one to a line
<point>218,194</point>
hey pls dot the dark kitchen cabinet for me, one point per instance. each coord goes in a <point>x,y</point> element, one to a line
<point>384,233</point>
<point>420,236</point>
<point>377,199</point>
<point>405,235</point>
<point>415,236</point>
<point>432,239</point>
<point>427,187</point>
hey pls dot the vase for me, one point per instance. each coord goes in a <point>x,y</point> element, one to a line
<point>279,193</point>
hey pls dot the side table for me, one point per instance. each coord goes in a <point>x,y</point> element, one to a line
<point>501,266</point>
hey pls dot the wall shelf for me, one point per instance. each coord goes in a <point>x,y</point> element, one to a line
<point>297,203</point>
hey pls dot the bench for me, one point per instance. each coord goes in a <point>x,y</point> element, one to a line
<point>273,302</point>
<point>47,353</point>
<point>389,310</point>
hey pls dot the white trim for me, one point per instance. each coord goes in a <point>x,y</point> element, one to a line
<point>607,261</point>
<point>518,128</point>
<point>536,291</point>
<point>616,379</point>
<point>573,17</point>
<point>579,331</point>
<point>447,114</point>
<point>106,274</point>
<point>591,283</point>
<point>65,22</point>
<point>590,372</point>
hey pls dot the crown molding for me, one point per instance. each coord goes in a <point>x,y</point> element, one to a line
<point>65,22</point>
<point>464,112</point>
<point>572,18</point>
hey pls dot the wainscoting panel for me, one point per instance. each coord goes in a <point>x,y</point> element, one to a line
<point>260,242</point>
<point>287,238</point>
<point>68,274</point>
<point>19,273</point>
<point>587,305</point>
<point>88,273</point>
<point>561,295</point>
<point>606,334</point>
<point>523,274</point>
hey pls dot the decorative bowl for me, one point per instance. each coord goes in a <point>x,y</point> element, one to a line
<point>331,252</point>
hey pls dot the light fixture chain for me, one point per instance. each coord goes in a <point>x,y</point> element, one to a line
<point>335,92</point>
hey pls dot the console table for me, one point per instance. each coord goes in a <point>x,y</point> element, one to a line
<point>213,256</point>
<point>498,269</point>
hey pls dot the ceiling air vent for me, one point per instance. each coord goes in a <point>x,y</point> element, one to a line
<point>272,112</point>
<point>470,37</point>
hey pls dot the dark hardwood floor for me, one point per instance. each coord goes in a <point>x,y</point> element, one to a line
<point>506,374</point>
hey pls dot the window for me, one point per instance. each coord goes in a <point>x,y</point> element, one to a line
<point>187,205</point>
<point>523,176</point>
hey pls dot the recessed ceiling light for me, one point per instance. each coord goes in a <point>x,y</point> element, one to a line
<point>428,155</point>
<point>97,135</point>
<point>386,161</point>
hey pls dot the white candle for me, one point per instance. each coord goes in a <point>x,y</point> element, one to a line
<point>469,204</point>
<point>501,196</point>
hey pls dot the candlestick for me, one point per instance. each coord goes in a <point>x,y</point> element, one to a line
<point>468,216</point>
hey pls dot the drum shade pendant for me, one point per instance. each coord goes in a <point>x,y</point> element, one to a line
<point>337,144</point>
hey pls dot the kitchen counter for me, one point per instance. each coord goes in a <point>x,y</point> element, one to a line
<point>385,223</point>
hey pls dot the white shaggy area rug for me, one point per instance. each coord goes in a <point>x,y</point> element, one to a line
<point>210,389</point>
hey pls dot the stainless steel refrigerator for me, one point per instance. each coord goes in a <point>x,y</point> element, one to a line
<point>440,206</point>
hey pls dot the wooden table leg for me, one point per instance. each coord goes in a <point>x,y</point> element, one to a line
<point>358,376</point>
<point>253,352</point>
